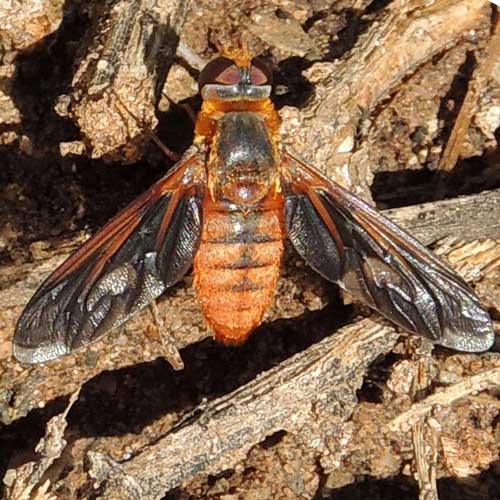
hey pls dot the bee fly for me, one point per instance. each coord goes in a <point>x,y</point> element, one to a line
<point>225,209</point>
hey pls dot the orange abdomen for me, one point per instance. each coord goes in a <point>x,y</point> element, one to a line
<point>236,268</point>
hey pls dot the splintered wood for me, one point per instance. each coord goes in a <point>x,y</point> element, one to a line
<point>281,399</point>
<point>118,83</point>
<point>410,33</point>
<point>472,385</point>
<point>426,457</point>
<point>24,481</point>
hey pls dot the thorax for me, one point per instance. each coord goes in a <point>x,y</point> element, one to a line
<point>242,145</point>
<point>243,154</point>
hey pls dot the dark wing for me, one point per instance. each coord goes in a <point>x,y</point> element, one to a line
<point>349,243</point>
<point>141,252</point>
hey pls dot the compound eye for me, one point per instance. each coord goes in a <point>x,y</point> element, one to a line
<point>221,70</point>
<point>260,72</point>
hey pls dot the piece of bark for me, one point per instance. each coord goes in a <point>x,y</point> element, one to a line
<point>119,81</point>
<point>466,218</point>
<point>467,258</point>
<point>283,398</point>
<point>325,131</point>
<point>23,23</point>
<point>285,35</point>
<point>465,455</point>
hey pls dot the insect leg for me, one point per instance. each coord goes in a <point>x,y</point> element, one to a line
<point>171,353</point>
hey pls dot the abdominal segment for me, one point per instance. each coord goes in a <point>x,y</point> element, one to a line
<point>236,269</point>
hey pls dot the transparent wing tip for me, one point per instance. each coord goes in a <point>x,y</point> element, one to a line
<point>478,340</point>
<point>39,354</point>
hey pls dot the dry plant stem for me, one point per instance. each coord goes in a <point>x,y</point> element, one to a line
<point>166,151</point>
<point>453,148</point>
<point>281,399</point>
<point>426,454</point>
<point>347,90</point>
<point>185,52</point>
<point>463,218</point>
<point>425,438</point>
<point>122,74</point>
<point>27,478</point>
<point>472,385</point>
<point>184,106</point>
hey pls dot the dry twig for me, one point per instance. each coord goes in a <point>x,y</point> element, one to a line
<point>482,72</point>
<point>425,439</point>
<point>426,454</point>
<point>118,83</point>
<point>471,385</point>
<point>25,482</point>
<point>283,398</point>
<point>346,91</point>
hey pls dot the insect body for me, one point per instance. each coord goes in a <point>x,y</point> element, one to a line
<point>237,265</point>
<point>225,209</point>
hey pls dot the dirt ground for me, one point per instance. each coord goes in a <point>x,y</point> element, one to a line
<point>54,192</point>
